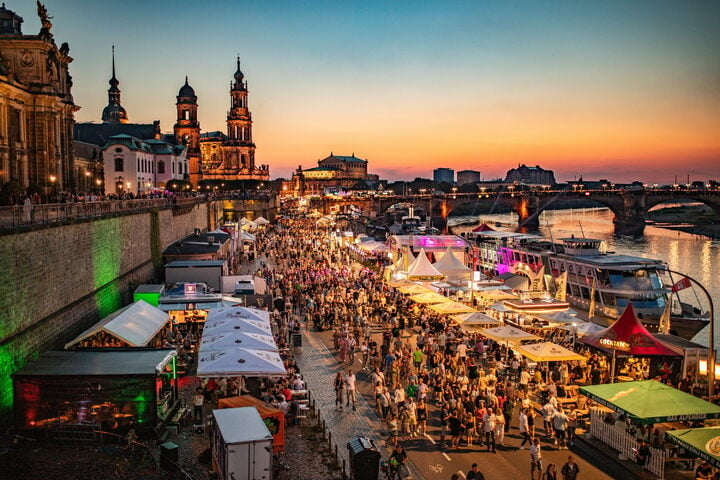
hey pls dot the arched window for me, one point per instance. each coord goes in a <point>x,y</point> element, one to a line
<point>119,164</point>
<point>161,167</point>
<point>186,114</point>
<point>243,160</point>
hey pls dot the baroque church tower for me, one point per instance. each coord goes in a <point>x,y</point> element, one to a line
<point>114,112</point>
<point>187,129</point>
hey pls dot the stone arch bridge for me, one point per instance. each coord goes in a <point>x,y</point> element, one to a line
<point>630,207</point>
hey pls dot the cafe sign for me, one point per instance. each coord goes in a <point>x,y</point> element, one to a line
<point>615,344</point>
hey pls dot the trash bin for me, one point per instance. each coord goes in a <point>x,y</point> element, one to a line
<point>297,340</point>
<point>169,456</point>
<point>364,459</point>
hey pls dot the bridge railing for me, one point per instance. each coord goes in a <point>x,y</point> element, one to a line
<point>27,215</point>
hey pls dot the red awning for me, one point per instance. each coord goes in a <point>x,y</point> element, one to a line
<point>483,227</point>
<point>629,337</point>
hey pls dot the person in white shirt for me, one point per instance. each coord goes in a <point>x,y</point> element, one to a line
<point>489,429</point>
<point>350,388</point>
<point>535,459</point>
<point>547,412</point>
<point>524,428</point>
<point>560,422</point>
<point>524,380</point>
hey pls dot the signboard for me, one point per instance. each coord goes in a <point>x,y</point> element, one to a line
<point>615,344</point>
<point>190,289</point>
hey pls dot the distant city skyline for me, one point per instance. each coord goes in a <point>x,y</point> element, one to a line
<point>617,90</point>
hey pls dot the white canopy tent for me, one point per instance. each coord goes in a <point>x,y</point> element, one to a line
<point>228,325</point>
<point>547,352</point>
<point>509,334</point>
<point>453,268</point>
<point>422,270</point>
<point>584,328</point>
<point>238,312</point>
<point>262,221</point>
<point>240,361</point>
<point>135,324</point>
<point>235,339</point>
<point>475,320</point>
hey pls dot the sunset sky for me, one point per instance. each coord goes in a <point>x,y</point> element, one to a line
<point>606,89</point>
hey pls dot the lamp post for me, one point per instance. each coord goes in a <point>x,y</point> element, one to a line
<point>711,335</point>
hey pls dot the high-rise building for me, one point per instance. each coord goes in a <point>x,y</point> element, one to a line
<point>446,175</point>
<point>530,175</point>
<point>468,176</point>
<point>37,110</point>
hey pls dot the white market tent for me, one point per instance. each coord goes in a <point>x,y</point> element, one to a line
<point>135,325</point>
<point>228,325</point>
<point>235,339</point>
<point>247,237</point>
<point>506,333</point>
<point>566,316</point>
<point>262,221</point>
<point>415,289</point>
<point>453,268</point>
<point>422,270</point>
<point>547,352</point>
<point>240,361</point>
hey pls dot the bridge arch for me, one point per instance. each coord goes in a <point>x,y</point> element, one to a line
<point>713,203</point>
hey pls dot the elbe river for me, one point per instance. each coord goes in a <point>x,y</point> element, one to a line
<point>697,256</point>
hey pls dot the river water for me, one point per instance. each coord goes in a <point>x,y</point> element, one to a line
<point>696,256</point>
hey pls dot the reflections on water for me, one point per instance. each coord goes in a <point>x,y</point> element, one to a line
<point>696,256</point>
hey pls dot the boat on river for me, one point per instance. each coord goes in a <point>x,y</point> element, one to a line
<point>580,270</point>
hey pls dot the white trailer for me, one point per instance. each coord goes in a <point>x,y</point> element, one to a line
<point>242,445</point>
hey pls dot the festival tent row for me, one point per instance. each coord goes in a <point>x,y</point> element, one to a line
<point>134,326</point>
<point>454,269</point>
<point>422,270</point>
<point>237,341</point>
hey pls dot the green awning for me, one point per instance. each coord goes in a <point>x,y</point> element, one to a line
<point>650,401</point>
<point>703,442</point>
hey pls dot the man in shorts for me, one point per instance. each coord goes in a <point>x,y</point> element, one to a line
<point>535,459</point>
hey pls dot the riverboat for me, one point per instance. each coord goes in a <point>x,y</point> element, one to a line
<point>583,269</point>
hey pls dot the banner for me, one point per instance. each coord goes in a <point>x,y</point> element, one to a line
<point>561,283</point>
<point>536,280</point>
<point>681,285</point>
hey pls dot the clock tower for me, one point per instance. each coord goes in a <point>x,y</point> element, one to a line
<point>187,129</point>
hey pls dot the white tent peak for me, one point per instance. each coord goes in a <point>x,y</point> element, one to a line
<point>421,268</point>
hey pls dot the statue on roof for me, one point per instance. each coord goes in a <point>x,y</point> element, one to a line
<point>45,20</point>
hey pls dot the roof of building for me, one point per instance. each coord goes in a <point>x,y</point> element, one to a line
<point>320,169</point>
<point>195,263</point>
<point>186,90</point>
<point>344,158</point>
<point>135,361</point>
<point>213,134</point>
<point>99,133</point>
<point>197,244</point>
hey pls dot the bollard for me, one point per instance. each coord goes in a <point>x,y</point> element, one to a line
<point>337,459</point>
<point>330,440</point>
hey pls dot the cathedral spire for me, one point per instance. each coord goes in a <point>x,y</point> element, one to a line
<point>114,112</point>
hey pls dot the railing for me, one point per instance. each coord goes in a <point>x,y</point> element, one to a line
<point>43,214</point>
<point>620,440</point>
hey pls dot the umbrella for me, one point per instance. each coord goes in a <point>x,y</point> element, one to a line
<point>236,325</point>
<point>649,401</point>
<point>703,442</point>
<point>429,298</point>
<point>451,308</point>
<point>415,289</point>
<point>235,339</point>
<point>584,328</point>
<point>506,333</point>
<point>547,352</point>
<point>475,319</point>
<point>240,361</point>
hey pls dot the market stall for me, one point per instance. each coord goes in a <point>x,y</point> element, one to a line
<point>415,289</point>
<point>110,390</point>
<point>508,334</point>
<point>422,270</point>
<point>451,308</point>
<point>273,417</point>
<point>237,339</point>
<point>430,298</point>
<point>453,268</point>
<point>135,325</point>
<point>228,325</point>
<point>475,320</point>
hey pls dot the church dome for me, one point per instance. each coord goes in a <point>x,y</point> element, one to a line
<point>186,90</point>
<point>114,113</point>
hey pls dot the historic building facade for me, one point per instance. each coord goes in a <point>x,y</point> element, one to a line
<point>216,155</point>
<point>332,171</point>
<point>36,107</point>
<point>530,175</point>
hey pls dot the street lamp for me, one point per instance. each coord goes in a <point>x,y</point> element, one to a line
<point>711,335</point>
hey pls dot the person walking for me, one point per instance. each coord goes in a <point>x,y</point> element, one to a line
<point>550,473</point>
<point>489,429</point>
<point>560,421</point>
<point>339,387</point>
<point>198,401</point>
<point>524,428</point>
<point>350,388</point>
<point>499,427</point>
<point>570,470</point>
<point>535,459</point>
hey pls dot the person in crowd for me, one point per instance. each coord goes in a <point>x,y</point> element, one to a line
<point>535,459</point>
<point>570,469</point>
<point>474,473</point>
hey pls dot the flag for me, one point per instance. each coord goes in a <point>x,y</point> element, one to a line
<point>536,280</point>
<point>664,322</point>
<point>681,285</point>
<point>561,283</point>
<point>591,310</point>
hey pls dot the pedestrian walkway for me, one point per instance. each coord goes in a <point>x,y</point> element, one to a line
<point>319,367</point>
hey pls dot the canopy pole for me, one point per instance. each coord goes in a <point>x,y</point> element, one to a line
<point>612,368</point>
